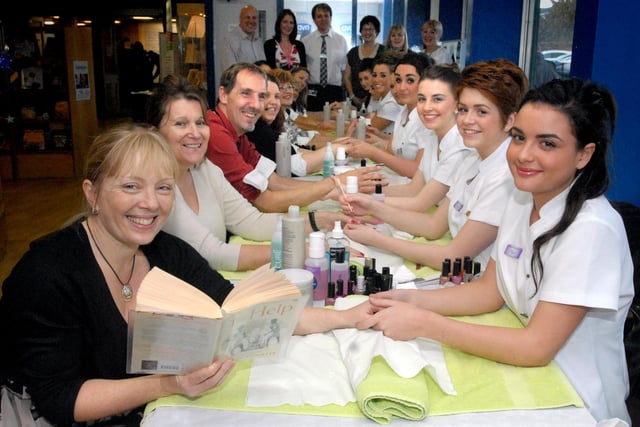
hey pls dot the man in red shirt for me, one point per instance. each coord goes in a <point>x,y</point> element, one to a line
<point>241,95</point>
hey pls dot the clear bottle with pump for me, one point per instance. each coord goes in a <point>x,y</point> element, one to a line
<point>276,245</point>
<point>337,241</point>
<point>283,155</point>
<point>326,111</point>
<point>328,162</point>
<point>340,124</point>
<point>293,238</point>
<point>316,262</point>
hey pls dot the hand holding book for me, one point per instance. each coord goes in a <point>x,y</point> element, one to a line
<point>177,328</point>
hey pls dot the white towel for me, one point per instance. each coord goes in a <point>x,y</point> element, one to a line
<point>323,369</point>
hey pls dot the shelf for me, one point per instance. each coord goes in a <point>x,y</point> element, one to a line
<point>50,127</point>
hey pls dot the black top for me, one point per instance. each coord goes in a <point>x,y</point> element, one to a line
<point>59,320</point>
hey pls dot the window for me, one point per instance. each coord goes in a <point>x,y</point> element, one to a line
<point>551,37</point>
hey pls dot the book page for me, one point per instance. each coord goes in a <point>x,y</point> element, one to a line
<point>262,330</point>
<point>171,344</point>
<point>162,292</point>
<point>177,328</point>
<point>264,284</point>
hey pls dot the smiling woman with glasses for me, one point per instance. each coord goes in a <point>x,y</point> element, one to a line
<point>286,83</point>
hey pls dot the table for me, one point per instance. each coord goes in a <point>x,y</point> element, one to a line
<point>195,417</point>
<point>530,391</point>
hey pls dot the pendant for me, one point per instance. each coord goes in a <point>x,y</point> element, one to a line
<point>127,292</point>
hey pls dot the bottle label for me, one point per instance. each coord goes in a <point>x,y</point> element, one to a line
<point>320,281</point>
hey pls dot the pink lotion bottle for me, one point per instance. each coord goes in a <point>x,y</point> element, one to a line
<point>318,265</point>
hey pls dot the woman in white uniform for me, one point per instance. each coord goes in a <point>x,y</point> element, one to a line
<point>561,261</point>
<point>488,95</point>
<point>403,153</point>
<point>444,152</point>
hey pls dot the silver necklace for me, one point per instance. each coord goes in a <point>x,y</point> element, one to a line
<point>127,291</point>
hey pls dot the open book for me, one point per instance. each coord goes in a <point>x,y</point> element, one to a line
<point>176,328</point>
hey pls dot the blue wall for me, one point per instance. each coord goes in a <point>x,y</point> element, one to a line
<point>417,13</point>
<point>451,18</point>
<point>616,61</point>
<point>495,30</point>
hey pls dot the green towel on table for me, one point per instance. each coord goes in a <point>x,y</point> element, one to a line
<point>482,385</point>
<point>383,395</point>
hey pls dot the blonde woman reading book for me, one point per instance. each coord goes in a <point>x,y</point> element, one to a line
<point>64,307</point>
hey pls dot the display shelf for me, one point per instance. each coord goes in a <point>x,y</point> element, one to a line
<point>38,136</point>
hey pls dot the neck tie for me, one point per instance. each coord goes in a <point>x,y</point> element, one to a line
<point>323,61</point>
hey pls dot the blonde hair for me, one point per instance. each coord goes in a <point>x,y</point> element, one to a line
<point>125,147</point>
<point>397,28</point>
<point>436,25</point>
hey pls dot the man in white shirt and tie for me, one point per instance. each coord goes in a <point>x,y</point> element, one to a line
<point>326,64</point>
<point>243,43</point>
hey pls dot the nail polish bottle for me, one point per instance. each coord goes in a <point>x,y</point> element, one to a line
<point>468,269</point>
<point>445,274</point>
<point>456,276</point>
<point>387,279</point>
<point>339,288</point>
<point>360,285</point>
<point>477,269</point>
<point>331,294</point>
<point>351,287</point>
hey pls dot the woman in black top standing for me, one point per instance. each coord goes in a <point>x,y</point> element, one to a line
<point>369,48</point>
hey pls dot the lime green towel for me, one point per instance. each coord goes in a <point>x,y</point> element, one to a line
<point>481,385</point>
<point>484,385</point>
<point>383,395</point>
<point>232,394</point>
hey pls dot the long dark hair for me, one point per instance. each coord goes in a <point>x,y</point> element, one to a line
<point>591,110</point>
<point>281,15</point>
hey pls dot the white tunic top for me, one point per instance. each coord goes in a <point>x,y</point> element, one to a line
<point>409,136</point>
<point>588,265</point>
<point>480,193</point>
<point>441,161</point>
<point>387,108</point>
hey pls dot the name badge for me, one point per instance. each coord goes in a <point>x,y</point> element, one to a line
<point>513,251</point>
<point>313,92</point>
